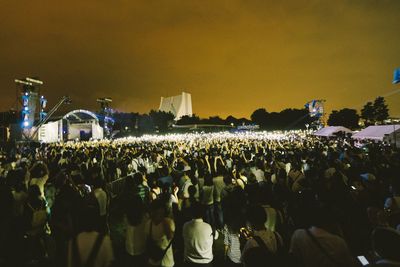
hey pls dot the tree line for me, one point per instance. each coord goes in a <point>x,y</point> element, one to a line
<point>372,113</point>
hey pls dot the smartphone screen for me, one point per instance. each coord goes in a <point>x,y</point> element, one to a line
<point>88,188</point>
<point>363,260</point>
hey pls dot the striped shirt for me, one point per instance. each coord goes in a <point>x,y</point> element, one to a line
<point>231,240</point>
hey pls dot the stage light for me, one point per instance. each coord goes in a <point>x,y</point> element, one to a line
<point>25,123</point>
<point>34,81</point>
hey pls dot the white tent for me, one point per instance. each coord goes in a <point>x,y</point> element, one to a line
<point>378,132</point>
<point>331,131</point>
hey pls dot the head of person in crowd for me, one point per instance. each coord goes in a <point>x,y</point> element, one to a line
<point>256,217</point>
<point>192,190</point>
<point>99,183</point>
<point>227,179</point>
<point>158,210</point>
<point>281,176</point>
<point>138,178</point>
<point>38,170</point>
<point>15,178</point>
<point>130,184</point>
<point>34,195</point>
<point>135,211</point>
<point>251,178</point>
<point>197,210</point>
<point>324,216</point>
<point>386,243</point>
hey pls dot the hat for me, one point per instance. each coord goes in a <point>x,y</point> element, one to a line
<point>368,177</point>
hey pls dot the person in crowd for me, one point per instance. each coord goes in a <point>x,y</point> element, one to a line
<point>284,172</point>
<point>198,239</point>
<point>232,246</point>
<point>385,243</point>
<point>207,200</point>
<point>142,190</point>
<point>261,236</point>
<point>103,202</point>
<point>39,174</point>
<point>137,218</point>
<point>89,247</point>
<point>317,245</point>
<point>35,218</point>
<point>392,203</point>
<point>160,230</point>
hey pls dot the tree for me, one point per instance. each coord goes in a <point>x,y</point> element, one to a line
<point>125,120</point>
<point>145,123</point>
<point>215,120</point>
<point>161,119</point>
<point>368,113</point>
<point>345,117</point>
<point>260,117</point>
<point>184,120</point>
<point>381,110</point>
<point>376,112</point>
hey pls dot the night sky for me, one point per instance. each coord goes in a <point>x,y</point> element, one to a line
<point>232,56</point>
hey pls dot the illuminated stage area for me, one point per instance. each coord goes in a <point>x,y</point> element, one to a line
<point>76,125</point>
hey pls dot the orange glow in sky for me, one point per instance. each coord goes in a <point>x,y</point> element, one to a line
<point>232,56</point>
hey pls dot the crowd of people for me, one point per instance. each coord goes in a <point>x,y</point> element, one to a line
<point>206,199</point>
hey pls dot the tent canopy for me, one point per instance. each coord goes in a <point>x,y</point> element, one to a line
<point>331,131</point>
<point>377,132</point>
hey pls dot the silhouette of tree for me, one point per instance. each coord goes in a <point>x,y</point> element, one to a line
<point>145,123</point>
<point>284,120</point>
<point>125,120</point>
<point>260,117</point>
<point>161,119</point>
<point>215,120</point>
<point>235,121</point>
<point>381,110</point>
<point>376,112</point>
<point>368,113</point>
<point>345,117</point>
<point>188,120</point>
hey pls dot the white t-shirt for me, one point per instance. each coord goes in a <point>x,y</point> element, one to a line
<point>160,238</point>
<point>218,186</point>
<point>208,195</point>
<point>185,188</point>
<point>136,237</point>
<point>101,197</point>
<point>259,174</point>
<point>198,241</point>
